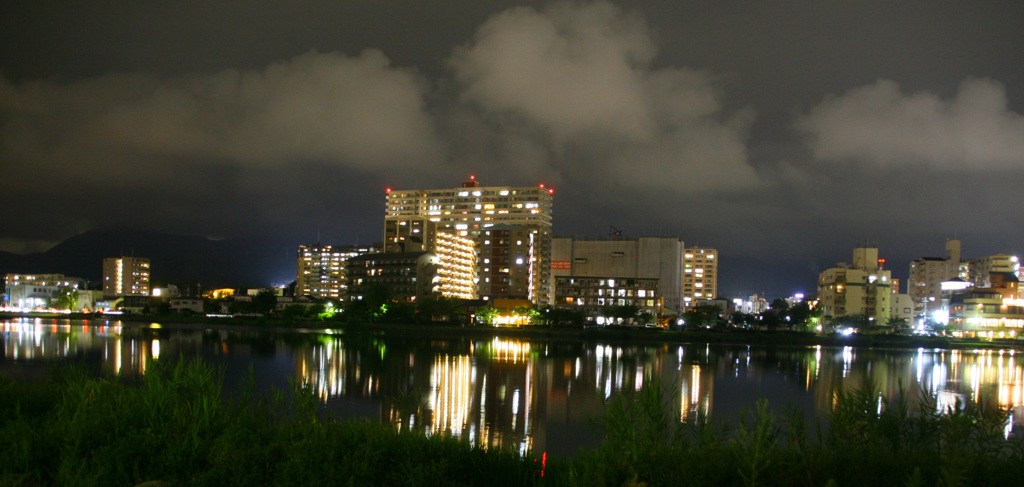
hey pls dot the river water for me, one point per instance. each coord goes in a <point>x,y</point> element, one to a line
<point>538,395</point>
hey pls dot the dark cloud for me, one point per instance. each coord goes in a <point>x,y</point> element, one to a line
<point>777,132</point>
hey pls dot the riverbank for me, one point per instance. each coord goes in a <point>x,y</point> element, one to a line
<point>646,336</point>
<point>174,428</point>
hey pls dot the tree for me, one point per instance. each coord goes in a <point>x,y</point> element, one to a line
<point>265,301</point>
<point>528,314</point>
<point>625,314</point>
<point>701,316</point>
<point>898,326</point>
<point>487,314</point>
<point>67,298</point>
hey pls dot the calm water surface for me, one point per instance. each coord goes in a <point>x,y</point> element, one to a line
<point>540,395</point>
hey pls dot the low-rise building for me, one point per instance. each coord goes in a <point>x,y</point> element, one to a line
<point>599,297</point>
<point>29,291</point>
<point>985,313</point>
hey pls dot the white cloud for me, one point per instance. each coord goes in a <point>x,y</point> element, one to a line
<point>353,112</point>
<point>879,124</point>
<point>583,74</point>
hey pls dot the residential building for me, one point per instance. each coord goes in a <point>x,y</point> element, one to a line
<point>647,258</point>
<point>413,218</point>
<point>859,289</point>
<point>700,276</point>
<point>29,291</point>
<point>321,270</point>
<point>407,276</point>
<point>981,270</point>
<point>927,275</point>
<point>456,266</point>
<point>125,276</point>
<point>985,313</point>
<point>508,267</point>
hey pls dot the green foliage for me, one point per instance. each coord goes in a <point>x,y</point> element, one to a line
<point>487,314</point>
<point>67,298</point>
<point>264,302</point>
<point>701,316</point>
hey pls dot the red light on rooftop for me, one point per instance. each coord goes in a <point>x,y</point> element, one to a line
<point>542,185</point>
<point>551,191</point>
<point>472,177</point>
<point>388,190</point>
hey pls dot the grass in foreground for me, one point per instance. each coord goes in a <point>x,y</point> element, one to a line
<point>174,426</point>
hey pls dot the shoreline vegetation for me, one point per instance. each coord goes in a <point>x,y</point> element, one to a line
<point>173,427</point>
<point>639,335</point>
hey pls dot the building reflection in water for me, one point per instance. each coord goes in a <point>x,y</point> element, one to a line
<point>537,395</point>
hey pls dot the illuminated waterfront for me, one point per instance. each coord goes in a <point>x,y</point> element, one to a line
<point>536,395</point>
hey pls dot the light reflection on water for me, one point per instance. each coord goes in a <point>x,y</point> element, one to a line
<point>526,395</point>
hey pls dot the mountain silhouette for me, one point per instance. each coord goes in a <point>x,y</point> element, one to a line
<point>175,259</point>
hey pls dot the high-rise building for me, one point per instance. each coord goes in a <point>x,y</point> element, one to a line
<point>863,288</point>
<point>508,268</point>
<point>321,270</point>
<point>648,265</point>
<point>700,276</point>
<point>125,276</point>
<point>413,218</point>
<point>456,266</point>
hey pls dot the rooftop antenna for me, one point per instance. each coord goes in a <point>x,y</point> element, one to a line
<point>615,233</point>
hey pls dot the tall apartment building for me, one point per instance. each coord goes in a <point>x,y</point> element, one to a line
<point>125,276</point>
<point>700,276</point>
<point>656,259</point>
<point>321,270</point>
<point>508,267</point>
<point>413,219</point>
<point>863,288</point>
<point>455,275</point>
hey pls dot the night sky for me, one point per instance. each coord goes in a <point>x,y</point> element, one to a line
<point>780,133</point>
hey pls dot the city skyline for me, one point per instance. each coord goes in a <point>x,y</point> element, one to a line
<point>779,134</point>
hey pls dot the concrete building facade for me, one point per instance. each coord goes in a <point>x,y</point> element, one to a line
<point>657,258</point>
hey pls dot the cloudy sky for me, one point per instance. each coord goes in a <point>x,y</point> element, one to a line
<point>781,133</point>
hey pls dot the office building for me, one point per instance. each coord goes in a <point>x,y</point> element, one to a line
<point>414,218</point>
<point>125,276</point>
